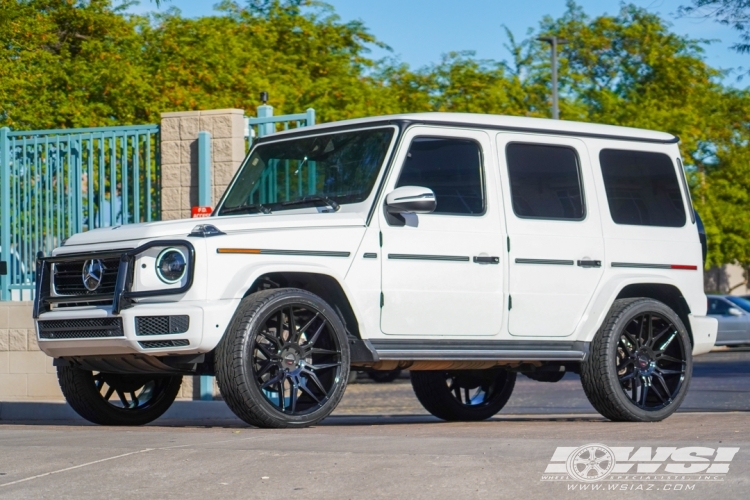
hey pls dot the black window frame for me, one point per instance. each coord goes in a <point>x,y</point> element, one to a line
<point>679,179</point>
<point>482,173</point>
<point>584,206</point>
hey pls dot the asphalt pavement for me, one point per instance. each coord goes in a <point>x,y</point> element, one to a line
<point>381,444</point>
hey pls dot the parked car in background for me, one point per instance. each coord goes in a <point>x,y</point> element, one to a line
<point>733,314</point>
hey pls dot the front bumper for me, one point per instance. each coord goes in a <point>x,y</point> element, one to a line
<point>207,323</point>
<point>704,333</point>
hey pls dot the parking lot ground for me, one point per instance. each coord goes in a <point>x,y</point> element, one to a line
<point>350,457</point>
<point>381,444</point>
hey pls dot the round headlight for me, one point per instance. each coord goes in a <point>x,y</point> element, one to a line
<point>171,265</point>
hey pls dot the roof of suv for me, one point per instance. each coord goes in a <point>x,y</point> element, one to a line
<point>510,123</point>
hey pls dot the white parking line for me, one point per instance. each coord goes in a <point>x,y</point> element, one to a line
<point>114,458</point>
<point>76,467</point>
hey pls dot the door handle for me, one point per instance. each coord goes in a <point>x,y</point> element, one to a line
<point>590,263</point>
<point>487,260</point>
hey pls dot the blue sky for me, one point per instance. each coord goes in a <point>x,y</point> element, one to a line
<point>420,31</point>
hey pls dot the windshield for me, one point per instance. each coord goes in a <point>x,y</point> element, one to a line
<point>324,170</point>
<point>743,304</point>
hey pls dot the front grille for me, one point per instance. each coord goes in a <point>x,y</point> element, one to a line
<point>68,277</point>
<point>81,328</point>
<point>161,325</point>
<point>157,344</point>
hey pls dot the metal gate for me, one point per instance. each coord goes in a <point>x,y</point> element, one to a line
<point>55,183</point>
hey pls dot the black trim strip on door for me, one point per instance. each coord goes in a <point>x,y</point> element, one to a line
<point>408,256</point>
<point>265,251</point>
<point>370,255</point>
<point>655,266</point>
<point>551,262</point>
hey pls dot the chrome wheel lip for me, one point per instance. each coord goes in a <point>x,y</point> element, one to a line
<point>651,363</point>
<point>284,367</point>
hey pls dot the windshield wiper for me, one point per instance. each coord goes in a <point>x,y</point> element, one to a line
<point>245,208</point>
<point>314,199</point>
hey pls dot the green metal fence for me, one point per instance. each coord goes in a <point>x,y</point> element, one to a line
<point>55,183</point>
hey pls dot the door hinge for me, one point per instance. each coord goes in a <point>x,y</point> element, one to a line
<point>381,239</point>
<point>510,302</point>
<point>382,299</point>
<point>508,243</point>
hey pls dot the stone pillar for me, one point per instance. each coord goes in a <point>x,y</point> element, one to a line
<point>179,156</point>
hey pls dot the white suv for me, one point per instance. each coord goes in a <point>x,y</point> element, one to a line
<point>466,248</point>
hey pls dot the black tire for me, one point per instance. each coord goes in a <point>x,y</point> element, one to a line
<point>150,395</point>
<point>445,393</point>
<point>640,362</point>
<point>384,377</point>
<point>258,360</point>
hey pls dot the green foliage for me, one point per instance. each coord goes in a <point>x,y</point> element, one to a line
<point>734,13</point>
<point>73,63</point>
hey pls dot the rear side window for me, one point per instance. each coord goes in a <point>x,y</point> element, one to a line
<point>452,168</point>
<point>642,188</point>
<point>545,181</point>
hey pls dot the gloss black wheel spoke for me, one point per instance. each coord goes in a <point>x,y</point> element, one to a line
<point>663,384</point>
<point>293,399</point>
<point>265,368</point>
<point>645,362</point>
<point>316,381</point>
<point>323,351</point>
<point>272,381</point>
<point>110,391</point>
<point>324,366</point>
<point>669,372</point>
<point>307,391</point>
<point>122,397</point>
<point>298,368</point>
<point>671,359</point>
<point>264,349</point>
<point>317,333</point>
<point>308,324</point>
<point>293,334</point>
<point>271,338</point>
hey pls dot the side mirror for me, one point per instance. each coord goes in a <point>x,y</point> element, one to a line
<point>411,199</point>
<point>733,311</point>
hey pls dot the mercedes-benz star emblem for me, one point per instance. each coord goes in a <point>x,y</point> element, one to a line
<point>93,272</point>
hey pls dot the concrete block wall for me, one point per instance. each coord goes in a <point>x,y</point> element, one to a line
<point>179,156</point>
<point>26,373</point>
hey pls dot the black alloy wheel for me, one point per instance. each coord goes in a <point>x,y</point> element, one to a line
<point>296,359</point>
<point>118,399</point>
<point>651,361</point>
<point>640,362</point>
<point>467,395</point>
<point>284,361</point>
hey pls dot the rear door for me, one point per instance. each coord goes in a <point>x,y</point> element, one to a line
<point>556,246</point>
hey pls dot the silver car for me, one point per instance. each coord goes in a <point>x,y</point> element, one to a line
<point>733,314</point>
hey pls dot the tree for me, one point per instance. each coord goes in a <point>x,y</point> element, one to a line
<point>734,13</point>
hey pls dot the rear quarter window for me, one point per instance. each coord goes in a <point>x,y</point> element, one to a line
<point>642,188</point>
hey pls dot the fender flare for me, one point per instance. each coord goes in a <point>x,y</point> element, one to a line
<point>606,295</point>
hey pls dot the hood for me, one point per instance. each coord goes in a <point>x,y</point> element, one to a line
<point>231,225</point>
